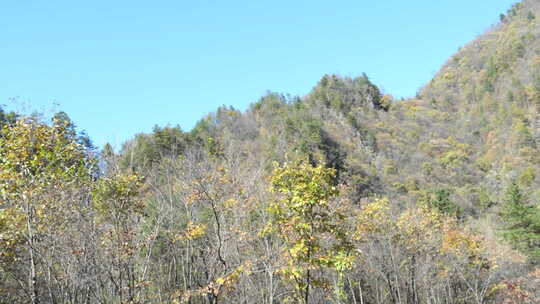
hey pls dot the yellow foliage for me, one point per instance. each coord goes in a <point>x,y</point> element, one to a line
<point>36,160</point>
<point>11,231</point>
<point>449,75</point>
<point>230,203</point>
<point>418,227</point>
<point>373,218</point>
<point>118,195</point>
<point>193,231</point>
<point>458,241</point>
<point>219,287</point>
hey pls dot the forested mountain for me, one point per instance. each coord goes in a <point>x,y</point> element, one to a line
<point>344,195</point>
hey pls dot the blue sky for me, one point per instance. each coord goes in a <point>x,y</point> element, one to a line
<point>120,67</point>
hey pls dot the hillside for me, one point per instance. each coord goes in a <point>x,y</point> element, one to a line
<point>343,195</point>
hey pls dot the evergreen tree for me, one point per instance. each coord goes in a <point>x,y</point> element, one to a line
<point>62,119</point>
<point>440,200</point>
<point>521,222</point>
<point>8,118</point>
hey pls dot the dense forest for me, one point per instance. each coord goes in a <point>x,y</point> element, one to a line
<point>344,195</point>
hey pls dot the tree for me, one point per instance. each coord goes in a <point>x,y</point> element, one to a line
<point>116,202</point>
<point>521,222</point>
<point>313,233</point>
<point>440,200</point>
<point>7,118</point>
<point>62,120</point>
<point>36,160</point>
<point>418,256</point>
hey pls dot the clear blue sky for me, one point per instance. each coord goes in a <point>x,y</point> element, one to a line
<point>120,67</point>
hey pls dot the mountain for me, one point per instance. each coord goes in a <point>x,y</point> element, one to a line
<point>344,195</point>
<point>471,130</point>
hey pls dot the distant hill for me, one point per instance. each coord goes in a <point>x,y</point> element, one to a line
<point>470,131</point>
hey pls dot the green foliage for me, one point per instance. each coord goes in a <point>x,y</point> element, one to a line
<point>521,222</point>
<point>147,149</point>
<point>457,154</point>
<point>270,103</point>
<point>514,10</point>
<point>527,177</point>
<point>524,134</point>
<point>439,199</point>
<point>484,199</point>
<point>7,118</point>
<point>307,130</point>
<point>346,94</point>
<point>62,120</point>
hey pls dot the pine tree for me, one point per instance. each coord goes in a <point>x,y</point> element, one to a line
<point>521,222</point>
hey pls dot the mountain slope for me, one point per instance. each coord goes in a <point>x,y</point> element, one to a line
<point>470,131</point>
<point>465,149</point>
<point>343,195</point>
